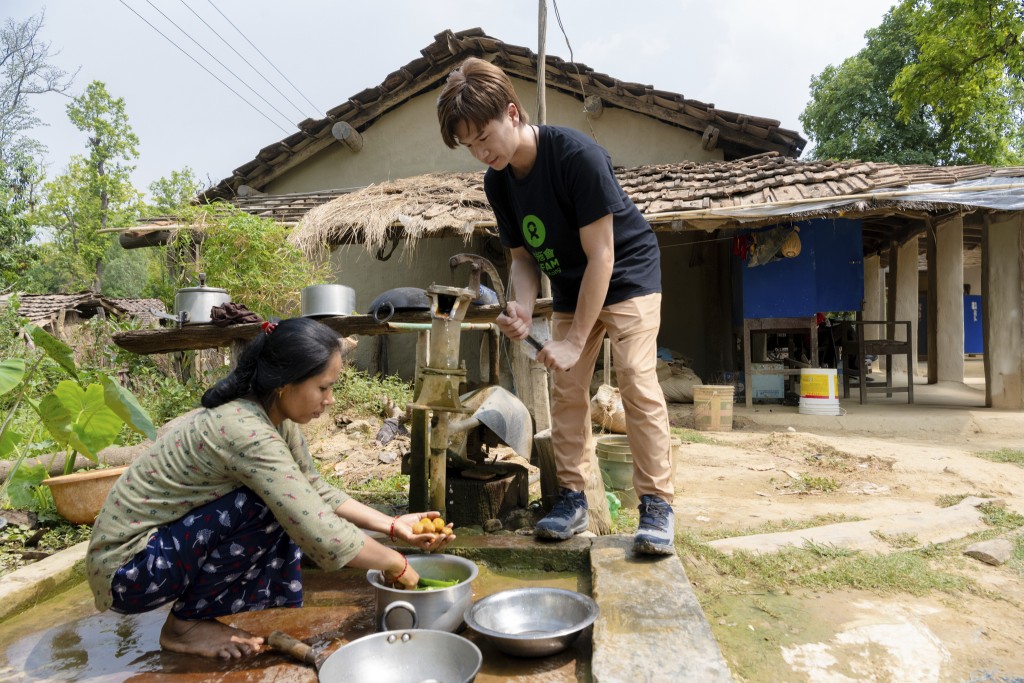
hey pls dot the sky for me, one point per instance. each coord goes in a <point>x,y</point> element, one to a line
<point>749,56</point>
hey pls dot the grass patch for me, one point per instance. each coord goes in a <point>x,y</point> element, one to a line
<point>823,567</point>
<point>950,499</point>
<point>58,535</point>
<point>1001,518</point>
<point>902,540</point>
<point>901,572</point>
<point>358,394</point>
<point>780,525</point>
<point>811,484</point>
<point>390,493</point>
<point>1010,455</point>
<point>692,436</point>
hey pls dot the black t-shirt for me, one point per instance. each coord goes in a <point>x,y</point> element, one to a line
<point>571,185</point>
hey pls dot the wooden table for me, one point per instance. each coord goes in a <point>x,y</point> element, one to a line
<point>752,326</point>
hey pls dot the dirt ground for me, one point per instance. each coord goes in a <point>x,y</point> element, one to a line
<point>887,458</point>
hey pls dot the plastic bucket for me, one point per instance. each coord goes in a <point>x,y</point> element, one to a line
<point>712,407</point>
<point>819,383</point>
<point>819,391</point>
<point>616,462</point>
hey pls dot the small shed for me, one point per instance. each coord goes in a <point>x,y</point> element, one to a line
<point>55,312</point>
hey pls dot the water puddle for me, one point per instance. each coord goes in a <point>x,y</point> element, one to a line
<point>66,639</point>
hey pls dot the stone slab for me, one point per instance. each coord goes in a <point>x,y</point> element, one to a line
<point>651,627</point>
<point>35,582</point>
<point>938,526</point>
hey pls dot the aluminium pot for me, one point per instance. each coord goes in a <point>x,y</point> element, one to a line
<point>323,300</point>
<point>441,609</point>
<point>196,302</point>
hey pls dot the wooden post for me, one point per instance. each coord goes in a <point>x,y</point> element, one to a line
<point>542,51</point>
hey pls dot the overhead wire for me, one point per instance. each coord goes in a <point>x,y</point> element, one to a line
<point>242,57</point>
<point>315,108</point>
<point>203,67</point>
<point>572,59</point>
<point>214,58</point>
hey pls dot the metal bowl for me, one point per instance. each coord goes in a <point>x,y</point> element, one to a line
<point>532,622</point>
<point>402,656</point>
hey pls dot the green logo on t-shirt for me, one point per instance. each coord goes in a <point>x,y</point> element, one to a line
<point>533,231</point>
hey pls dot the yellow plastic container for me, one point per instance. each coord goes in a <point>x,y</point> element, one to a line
<point>819,383</point>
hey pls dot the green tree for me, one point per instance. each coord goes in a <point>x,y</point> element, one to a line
<point>969,71</point>
<point>890,102</point>
<point>19,178</point>
<point>26,72</point>
<point>171,193</point>
<point>95,191</point>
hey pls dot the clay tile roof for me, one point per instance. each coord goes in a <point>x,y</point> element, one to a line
<point>38,308</point>
<point>738,135</point>
<point>687,195</point>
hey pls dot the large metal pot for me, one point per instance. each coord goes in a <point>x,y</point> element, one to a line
<point>391,656</point>
<point>196,302</point>
<point>328,300</point>
<point>441,609</point>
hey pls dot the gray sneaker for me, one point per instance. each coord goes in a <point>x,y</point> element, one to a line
<point>656,533</point>
<point>567,518</point>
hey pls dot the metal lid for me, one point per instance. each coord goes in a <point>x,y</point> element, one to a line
<point>202,287</point>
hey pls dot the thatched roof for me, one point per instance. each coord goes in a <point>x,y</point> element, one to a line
<point>745,193</point>
<point>422,206</point>
<point>736,134</point>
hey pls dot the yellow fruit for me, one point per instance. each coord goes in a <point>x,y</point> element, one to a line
<point>417,528</point>
<point>438,524</point>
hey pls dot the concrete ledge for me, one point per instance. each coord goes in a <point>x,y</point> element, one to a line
<point>651,626</point>
<point>24,587</point>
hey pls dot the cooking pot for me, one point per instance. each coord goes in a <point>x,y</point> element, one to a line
<point>196,302</point>
<point>327,300</point>
<point>391,657</point>
<point>441,609</point>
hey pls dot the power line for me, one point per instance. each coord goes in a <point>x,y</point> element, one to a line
<point>258,72</point>
<point>239,78</point>
<point>185,52</point>
<point>572,60</point>
<point>315,108</point>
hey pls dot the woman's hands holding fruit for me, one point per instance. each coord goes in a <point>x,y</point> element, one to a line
<point>426,530</point>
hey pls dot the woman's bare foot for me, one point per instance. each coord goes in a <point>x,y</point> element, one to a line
<point>207,638</point>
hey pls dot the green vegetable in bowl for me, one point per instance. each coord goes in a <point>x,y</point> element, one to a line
<point>426,584</point>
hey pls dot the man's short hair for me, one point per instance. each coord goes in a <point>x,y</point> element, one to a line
<point>477,92</point>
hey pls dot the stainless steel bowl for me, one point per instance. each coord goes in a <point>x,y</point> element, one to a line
<point>403,656</point>
<point>532,622</point>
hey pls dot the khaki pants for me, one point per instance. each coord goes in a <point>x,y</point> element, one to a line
<point>632,326</point>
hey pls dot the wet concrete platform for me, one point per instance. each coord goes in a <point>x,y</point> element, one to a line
<point>650,628</point>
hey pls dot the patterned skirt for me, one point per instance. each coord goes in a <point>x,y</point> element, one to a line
<point>225,557</point>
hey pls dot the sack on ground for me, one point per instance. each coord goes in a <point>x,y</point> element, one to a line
<point>606,410</point>
<point>678,387</point>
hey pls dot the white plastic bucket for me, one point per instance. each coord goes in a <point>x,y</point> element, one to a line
<point>819,391</point>
<point>819,383</point>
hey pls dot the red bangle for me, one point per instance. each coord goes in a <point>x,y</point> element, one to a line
<point>391,533</point>
<point>402,573</point>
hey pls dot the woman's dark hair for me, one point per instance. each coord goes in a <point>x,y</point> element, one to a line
<point>297,349</point>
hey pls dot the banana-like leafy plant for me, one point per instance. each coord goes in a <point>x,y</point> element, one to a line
<point>80,418</point>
